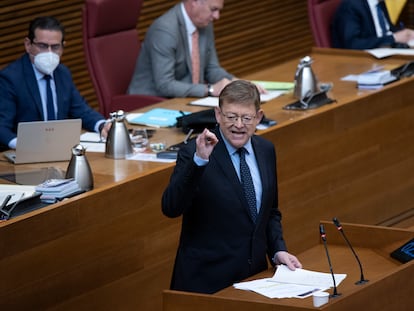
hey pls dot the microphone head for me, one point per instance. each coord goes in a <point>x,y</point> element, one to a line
<point>322,232</point>
<point>337,223</point>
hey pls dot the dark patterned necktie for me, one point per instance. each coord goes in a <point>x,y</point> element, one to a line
<point>381,17</point>
<point>247,183</point>
<point>49,99</point>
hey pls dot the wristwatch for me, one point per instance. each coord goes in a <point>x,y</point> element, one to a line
<point>210,90</point>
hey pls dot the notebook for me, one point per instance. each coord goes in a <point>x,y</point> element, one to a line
<point>158,117</point>
<point>45,141</point>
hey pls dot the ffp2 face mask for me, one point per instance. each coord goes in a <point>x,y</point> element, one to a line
<point>46,62</point>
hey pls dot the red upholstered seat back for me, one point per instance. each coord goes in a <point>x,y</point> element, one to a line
<point>111,46</point>
<point>320,18</point>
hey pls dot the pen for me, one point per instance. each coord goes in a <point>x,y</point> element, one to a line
<point>188,136</point>
<point>309,292</point>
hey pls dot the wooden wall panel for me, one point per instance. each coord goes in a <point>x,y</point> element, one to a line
<point>250,35</point>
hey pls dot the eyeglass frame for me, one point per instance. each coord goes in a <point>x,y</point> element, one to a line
<point>233,119</point>
<point>45,47</point>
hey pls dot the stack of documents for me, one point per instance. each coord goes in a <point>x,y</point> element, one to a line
<point>53,190</point>
<point>286,283</point>
<point>375,79</point>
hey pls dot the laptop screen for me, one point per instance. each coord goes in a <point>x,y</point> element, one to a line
<point>46,141</point>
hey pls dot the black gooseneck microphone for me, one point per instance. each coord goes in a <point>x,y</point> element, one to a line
<point>323,237</point>
<point>339,227</point>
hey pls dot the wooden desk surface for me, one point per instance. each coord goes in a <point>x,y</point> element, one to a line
<point>112,248</point>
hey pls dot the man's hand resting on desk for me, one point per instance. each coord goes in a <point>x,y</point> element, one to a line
<point>289,260</point>
<point>105,130</point>
<point>404,36</point>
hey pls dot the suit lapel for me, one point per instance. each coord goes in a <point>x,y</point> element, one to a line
<point>183,33</point>
<point>32,84</point>
<point>261,158</point>
<point>203,49</point>
<point>58,85</point>
<point>223,160</point>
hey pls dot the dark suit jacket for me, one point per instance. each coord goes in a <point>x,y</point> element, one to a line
<point>219,242</point>
<point>353,27</point>
<point>20,98</point>
<point>163,67</point>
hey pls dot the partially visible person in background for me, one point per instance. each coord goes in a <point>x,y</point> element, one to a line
<point>178,57</point>
<point>366,24</point>
<point>38,87</point>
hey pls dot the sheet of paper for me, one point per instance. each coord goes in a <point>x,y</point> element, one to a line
<point>385,52</point>
<point>306,277</point>
<point>272,289</point>
<point>210,101</point>
<point>152,157</point>
<point>17,192</point>
<point>91,137</point>
<point>94,147</point>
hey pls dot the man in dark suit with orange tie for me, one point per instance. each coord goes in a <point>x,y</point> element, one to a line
<point>224,186</point>
<point>365,24</point>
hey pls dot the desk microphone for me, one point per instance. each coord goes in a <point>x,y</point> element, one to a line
<point>339,227</point>
<point>323,237</point>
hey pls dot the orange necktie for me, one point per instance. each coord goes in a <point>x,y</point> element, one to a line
<point>195,57</point>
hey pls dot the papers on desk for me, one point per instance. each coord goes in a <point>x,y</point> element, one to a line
<point>14,197</point>
<point>92,142</point>
<point>17,192</point>
<point>151,157</point>
<point>53,190</point>
<point>386,52</point>
<point>210,101</point>
<point>286,283</point>
<point>375,80</point>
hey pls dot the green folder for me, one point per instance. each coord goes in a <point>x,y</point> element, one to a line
<point>275,85</point>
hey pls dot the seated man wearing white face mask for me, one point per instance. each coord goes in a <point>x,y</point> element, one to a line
<point>37,87</point>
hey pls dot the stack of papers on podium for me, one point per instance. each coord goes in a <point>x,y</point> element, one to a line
<point>53,190</point>
<point>375,79</point>
<point>286,283</point>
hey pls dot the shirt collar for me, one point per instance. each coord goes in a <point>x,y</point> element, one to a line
<point>231,150</point>
<point>39,75</point>
<point>189,25</point>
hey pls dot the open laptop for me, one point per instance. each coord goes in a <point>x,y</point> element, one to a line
<point>45,141</point>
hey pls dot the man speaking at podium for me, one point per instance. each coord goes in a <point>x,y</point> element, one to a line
<point>224,186</point>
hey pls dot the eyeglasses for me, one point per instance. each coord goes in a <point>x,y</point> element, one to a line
<point>233,118</point>
<point>45,47</point>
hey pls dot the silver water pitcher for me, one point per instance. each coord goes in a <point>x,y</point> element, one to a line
<point>305,83</point>
<point>79,168</point>
<point>118,143</point>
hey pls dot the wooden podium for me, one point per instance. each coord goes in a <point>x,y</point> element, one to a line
<point>390,285</point>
